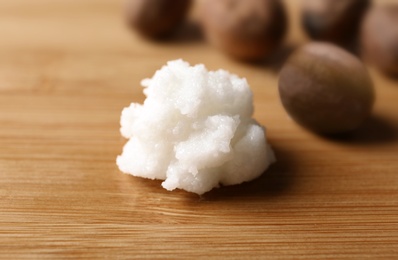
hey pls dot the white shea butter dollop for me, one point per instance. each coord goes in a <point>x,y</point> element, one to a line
<point>195,130</point>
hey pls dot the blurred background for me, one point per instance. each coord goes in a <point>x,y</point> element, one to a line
<point>58,33</point>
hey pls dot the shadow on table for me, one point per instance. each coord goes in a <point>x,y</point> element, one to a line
<point>188,32</point>
<point>376,130</point>
<point>276,181</point>
<point>391,76</point>
<point>276,61</point>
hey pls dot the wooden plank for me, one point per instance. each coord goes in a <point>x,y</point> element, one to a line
<point>67,68</point>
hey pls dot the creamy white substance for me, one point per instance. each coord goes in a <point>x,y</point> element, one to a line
<point>195,130</point>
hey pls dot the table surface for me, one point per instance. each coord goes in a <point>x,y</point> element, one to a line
<point>67,68</point>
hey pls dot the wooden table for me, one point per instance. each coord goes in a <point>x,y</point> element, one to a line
<point>67,68</point>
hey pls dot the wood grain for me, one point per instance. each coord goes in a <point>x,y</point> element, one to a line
<point>67,68</point>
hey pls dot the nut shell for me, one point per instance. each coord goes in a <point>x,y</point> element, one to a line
<point>380,38</point>
<point>156,18</point>
<point>326,89</point>
<point>336,21</point>
<point>248,30</point>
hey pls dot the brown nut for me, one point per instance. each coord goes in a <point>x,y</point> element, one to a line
<point>156,18</point>
<point>380,38</point>
<point>336,21</point>
<point>248,30</point>
<point>326,89</point>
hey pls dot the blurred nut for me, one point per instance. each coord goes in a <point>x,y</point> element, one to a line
<point>326,89</point>
<point>336,21</point>
<point>156,18</point>
<point>248,30</point>
<point>380,38</point>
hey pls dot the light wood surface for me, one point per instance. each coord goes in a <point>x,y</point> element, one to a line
<point>67,68</point>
